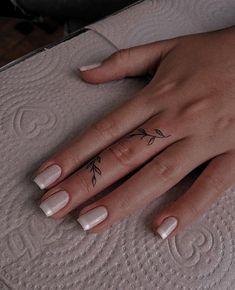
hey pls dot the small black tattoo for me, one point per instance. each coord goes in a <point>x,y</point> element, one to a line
<point>143,134</point>
<point>94,169</point>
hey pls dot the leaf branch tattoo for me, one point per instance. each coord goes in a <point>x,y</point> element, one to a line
<point>142,132</point>
<point>94,169</point>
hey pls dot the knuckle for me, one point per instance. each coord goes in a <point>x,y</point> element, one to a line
<point>166,87</point>
<point>123,153</point>
<point>193,209</point>
<point>106,128</point>
<point>164,171</point>
<point>73,157</point>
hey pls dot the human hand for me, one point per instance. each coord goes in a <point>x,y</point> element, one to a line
<point>182,118</point>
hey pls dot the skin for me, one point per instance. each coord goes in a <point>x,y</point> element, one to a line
<point>188,108</point>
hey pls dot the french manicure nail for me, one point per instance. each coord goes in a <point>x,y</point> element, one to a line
<point>93,217</point>
<point>167,226</point>
<point>48,176</point>
<point>54,203</point>
<point>91,66</point>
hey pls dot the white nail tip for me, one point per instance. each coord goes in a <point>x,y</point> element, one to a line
<point>54,203</point>
<point>167,227</point>
<point>93,217</point>
<point>46,209</point>
<point>91,66</point>
<point>48,176</point>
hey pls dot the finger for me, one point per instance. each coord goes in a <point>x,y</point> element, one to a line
<point>134,61</point>
<point>111,164</point>
<point>218,176</point>
<point>155,178</point>
<point>94,139</point>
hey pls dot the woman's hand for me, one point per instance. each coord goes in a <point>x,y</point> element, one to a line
<point>182,118</point>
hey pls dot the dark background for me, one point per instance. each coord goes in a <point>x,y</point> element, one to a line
<point>42,22</point>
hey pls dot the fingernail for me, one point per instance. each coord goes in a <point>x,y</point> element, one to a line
<point>48,176</point>
<point>93,217</point>
<point>167,226</point>
<point>54,203</point>
<point>91,66</point>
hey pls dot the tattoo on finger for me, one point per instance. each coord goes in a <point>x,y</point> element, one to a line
<point>142,132</point>
<point>92,164</point>
<point>94,169</point>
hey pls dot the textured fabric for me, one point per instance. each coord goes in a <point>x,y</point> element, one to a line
<point>43,104</point>
<point>153,20</point>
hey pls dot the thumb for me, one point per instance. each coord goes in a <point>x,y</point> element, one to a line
<point>133,61</point>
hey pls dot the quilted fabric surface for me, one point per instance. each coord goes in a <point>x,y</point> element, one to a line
<point>43,104</point>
